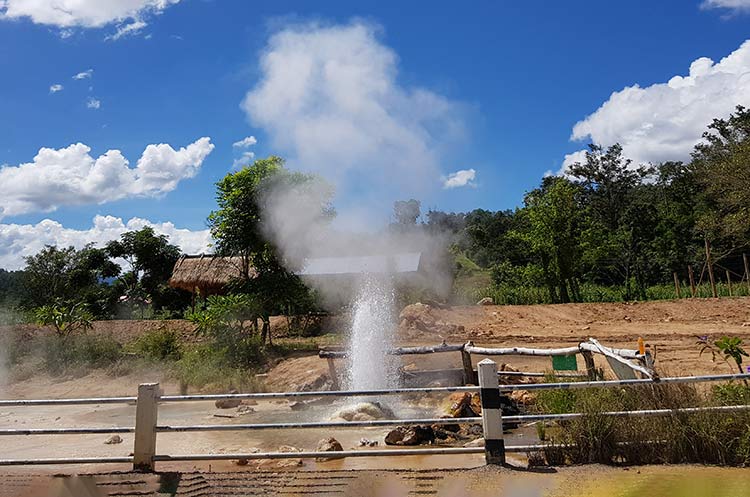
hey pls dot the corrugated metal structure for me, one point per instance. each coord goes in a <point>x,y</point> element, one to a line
<point>404,263</point>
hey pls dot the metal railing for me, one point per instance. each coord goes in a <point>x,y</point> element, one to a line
<point>147,427</point>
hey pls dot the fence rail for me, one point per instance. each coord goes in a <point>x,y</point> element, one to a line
<point>146,423</point>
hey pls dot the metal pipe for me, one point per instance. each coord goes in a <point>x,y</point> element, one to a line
<point>68,431</point>
<point>522,351</point>
<point>67,402</point>
<point>625,383</point>
<point>314,454</point>
<point>330,393</point>
<point>653,412</point>
<point>541,375</point>
<point>66,460</point>
<point>322,424</point>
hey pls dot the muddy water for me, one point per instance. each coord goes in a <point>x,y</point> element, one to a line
<point>657,481</point>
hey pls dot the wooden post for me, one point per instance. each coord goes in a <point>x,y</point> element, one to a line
<point>710,268</point>
<point>469,378</point>
<point>146,415</point>
<point>492,414</point>
<point>588,359</point>
<point>692,281</point>
<point>677,286</point>
<point>332,373</point>
<point>747,271</point>
<point>729,281</point>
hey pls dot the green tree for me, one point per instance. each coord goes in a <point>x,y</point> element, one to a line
<point>70,276</point>
<point>150,259</point>
<point>721,164</point>
<point>555,218</point>
<point>238,229</point>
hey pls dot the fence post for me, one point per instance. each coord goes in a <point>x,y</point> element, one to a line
<point>468,373</point>
<point>710,269</point>
<point>333,374</point>
<point>747,271</point>
<point>677,286</point>
<point>692,281</point>
<point>146,414</point>
<point>492,414</point>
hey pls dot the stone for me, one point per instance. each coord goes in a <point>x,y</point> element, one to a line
<point>298,406</point>
<point>410,435</point>
<point>228,403</point>
<point>479,442</point>
<point>329,445</point>
<point>245,409</point>
<point>523,397</point>
<point>113,440</point>
<point>459,405</point>
<point>486,301</point>
<point>363,442</point>
<point>364,411</point>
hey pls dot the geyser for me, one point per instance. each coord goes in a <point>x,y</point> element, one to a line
<point>370,366</point>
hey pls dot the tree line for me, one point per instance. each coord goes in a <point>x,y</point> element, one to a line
<point>607,223</point>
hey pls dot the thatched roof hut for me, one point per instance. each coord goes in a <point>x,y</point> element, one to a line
<point>207,274</point>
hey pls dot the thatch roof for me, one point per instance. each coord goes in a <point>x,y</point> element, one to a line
<point>207,273</point>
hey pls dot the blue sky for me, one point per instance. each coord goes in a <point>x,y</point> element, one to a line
<point>492,91</point>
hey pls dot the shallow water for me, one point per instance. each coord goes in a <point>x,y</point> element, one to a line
<point>666,481</point>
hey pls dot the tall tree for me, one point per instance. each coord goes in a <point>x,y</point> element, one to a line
<point>70,276</point>
<point>237,226</point>
<point>150,259</point>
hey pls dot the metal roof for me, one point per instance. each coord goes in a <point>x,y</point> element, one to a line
<point>380,264</point>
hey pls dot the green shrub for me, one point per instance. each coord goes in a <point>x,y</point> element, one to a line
<point>704,437</point>
<point>206,368</point>
<point>91,351</point>
<point>161,344</point>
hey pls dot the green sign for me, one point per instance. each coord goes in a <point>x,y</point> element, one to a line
<point>564,363</point>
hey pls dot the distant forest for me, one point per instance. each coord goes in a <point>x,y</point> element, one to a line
<point>608,230</point>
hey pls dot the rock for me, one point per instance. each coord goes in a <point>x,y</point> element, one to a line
<point>364,411</point>
<point>410,435</point>
<point>462,405</point>
<point>486,301</point>
<point>298,406</point>
<point>627,318</point>
<point>113,440</point>
<point>328,445</point>
<point>363,442</point>
<point>479,442</point>
<point>745,325</point>
<point>243,409</point>
<point>523,397</point>
<point>228,403</point>
<point>283,463</point>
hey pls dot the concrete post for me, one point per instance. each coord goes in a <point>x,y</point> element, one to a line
<point>146,415</point>
<point>492,414</point>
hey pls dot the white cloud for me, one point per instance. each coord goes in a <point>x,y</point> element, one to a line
<point>71,176</point>
<point>735,5</point>
<point>66,14</point>
<point>128,29</point>
<point>22,240</point>
<point>665,120</point>
<point>84,74</point>
<point>246,159</point>
<point>55,88</point>
<point>245,142</point>
<point>463,177</point>
<point>330,100</point>
<point>93,103</point>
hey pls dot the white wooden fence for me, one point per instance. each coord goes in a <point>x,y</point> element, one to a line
<point>147,427</point>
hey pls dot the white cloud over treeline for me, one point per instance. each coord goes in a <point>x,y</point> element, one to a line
<point>330,99</point>
<point>664,121</point>
<point>734,5</point>
<point>72,176</point>
<point>22,240</point>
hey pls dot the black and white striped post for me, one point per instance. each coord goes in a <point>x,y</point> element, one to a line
<point>492,414</point>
